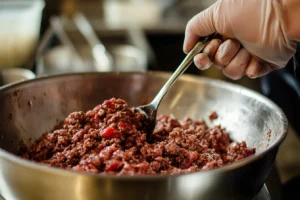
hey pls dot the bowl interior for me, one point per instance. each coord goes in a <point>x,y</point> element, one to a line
<point>32,108</point>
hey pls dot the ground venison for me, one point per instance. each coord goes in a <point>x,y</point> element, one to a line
<point>111,139</point>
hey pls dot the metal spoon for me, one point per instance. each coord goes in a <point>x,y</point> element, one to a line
<point>150,110</point>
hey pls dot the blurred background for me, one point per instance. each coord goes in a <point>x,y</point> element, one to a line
<point>45,37</point>
<point>51,36</point>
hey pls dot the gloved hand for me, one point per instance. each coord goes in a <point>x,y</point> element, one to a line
<point>261,36</point>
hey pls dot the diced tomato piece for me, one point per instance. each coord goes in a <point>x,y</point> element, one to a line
<point>110,132</point>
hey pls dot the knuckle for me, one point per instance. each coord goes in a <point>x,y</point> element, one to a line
<point>222,59</point>
<point>192,26</point>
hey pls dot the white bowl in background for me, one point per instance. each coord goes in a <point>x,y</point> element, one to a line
<point>20,23</point>
<point>12,75</point>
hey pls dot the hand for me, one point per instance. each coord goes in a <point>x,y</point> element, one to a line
<point>256,39</point>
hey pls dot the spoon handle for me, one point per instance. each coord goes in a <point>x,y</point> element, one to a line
<point>182,67</point>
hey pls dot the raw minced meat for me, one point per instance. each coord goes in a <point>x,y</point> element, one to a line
<point>111,139</point>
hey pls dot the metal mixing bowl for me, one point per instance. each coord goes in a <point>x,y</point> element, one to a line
<point>33,107</point>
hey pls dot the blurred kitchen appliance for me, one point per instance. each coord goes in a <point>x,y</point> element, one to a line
<point>20,23</point>
<point>100,54</point>
<point>66,48</point>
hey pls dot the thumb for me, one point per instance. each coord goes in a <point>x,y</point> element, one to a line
<point>200,25</point>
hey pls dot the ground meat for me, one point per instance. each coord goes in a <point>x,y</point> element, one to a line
<point>111,139</point>
<point>213,116</point>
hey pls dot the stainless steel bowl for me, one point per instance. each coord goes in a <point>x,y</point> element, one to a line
<point>247,116</point>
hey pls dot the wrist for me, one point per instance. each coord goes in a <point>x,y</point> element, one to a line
<point>290,18</point>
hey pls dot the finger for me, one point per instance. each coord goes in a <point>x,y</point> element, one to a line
<point>257,68</point>
<point>226,52</point>
<point>202,61</point>
<point>211,48</point>
<point>237,67</point>
<point>201,24</point>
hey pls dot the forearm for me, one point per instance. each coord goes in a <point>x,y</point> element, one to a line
<point>291,17</point>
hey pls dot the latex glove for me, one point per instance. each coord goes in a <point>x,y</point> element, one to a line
<point>263,35</point>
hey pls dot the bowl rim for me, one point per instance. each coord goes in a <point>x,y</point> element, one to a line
<point>187,77</point>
